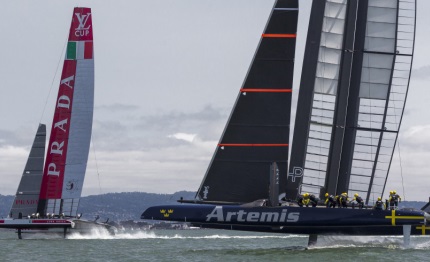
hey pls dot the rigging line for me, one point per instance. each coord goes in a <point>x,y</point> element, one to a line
<point>397,123</point>
<point>103,199</point>
<point>401,169</point>
<point>53,79</point>
<point>96,163</point>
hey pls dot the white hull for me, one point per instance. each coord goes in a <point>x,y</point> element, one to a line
<point>54,228</point>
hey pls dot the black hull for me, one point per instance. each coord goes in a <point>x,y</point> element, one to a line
<point>294,220</point>
<point>347,230</point>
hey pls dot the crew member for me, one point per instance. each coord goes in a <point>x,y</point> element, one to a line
<point>300,200</point>
<point>344,200</point>
<point>338,201</point>
<point>313,200</point>
<point>388,201</point>
<point>359,200</point>
<point>379,205</point>
<point>330,200</point>
<point>394,199</point>
<point>306,199</point>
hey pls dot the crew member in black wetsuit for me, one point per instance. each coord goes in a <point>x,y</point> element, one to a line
<point>339,205</point>
<point>359,200</point>
<point>330,201</point>
<point>313,200</point>
<point>379,205</point>
<point>344,200</point>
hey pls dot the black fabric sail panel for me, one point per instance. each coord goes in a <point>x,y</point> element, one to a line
<point>27,195</point>
<point>257,133</point>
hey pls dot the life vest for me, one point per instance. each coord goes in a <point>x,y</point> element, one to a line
<point>379,204</point>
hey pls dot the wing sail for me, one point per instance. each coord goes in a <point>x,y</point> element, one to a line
<point>69,142</point>
<point>345,141</point>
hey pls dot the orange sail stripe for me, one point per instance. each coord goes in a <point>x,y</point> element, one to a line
<point>252,144</point>
<point>279,35</point>
<point>261,90</point>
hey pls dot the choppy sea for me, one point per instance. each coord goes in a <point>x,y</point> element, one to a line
<point>209,245</point>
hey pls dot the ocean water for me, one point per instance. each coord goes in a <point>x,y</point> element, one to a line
<point>209,245</point>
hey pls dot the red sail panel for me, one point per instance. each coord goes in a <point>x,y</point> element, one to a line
<point>53,173</point>
<point>81,28</point>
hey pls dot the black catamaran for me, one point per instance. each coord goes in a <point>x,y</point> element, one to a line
<point>352,95</point>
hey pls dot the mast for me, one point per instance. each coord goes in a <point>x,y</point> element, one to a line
<point>257,132</point>
<point>69,141</point>
<point>27,195</point>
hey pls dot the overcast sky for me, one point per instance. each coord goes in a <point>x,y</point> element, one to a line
<point>167,75</point>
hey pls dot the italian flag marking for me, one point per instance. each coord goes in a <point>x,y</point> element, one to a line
<point>79,50</point>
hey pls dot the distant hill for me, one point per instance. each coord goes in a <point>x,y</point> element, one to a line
<point>115,206</point>
<point>130,205</point>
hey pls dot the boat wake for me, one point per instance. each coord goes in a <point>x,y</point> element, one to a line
<point>389,242</point>
<point>142,234</point>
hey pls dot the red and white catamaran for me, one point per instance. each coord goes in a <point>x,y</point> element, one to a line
<point>48,195</point>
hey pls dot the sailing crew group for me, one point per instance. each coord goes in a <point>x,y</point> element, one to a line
<point>342,201</point>
<point>394,199</point>
<point>307,199</point>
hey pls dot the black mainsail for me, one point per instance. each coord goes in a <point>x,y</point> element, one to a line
<point>352,96</point>
<point>257,132</point>
<point>27,195</point>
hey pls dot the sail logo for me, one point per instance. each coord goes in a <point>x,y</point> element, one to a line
<point>297,173</point>
<point>241,215</point>
<point>166,213</point>
<point>60,127</point>
<point>82,29</point>
<point>206,192</point>
<point>72,185</point>
<point>26,202</point>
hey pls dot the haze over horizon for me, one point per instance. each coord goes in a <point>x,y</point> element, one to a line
<point>167,75</point>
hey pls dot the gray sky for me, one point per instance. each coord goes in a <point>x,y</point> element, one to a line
<point>167,75</point>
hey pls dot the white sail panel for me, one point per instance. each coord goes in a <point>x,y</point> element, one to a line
<point>80,129</point>
<point>383,3</point>
<point>376,75</point>
<point>329,55</point>
<point>381,26</point>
